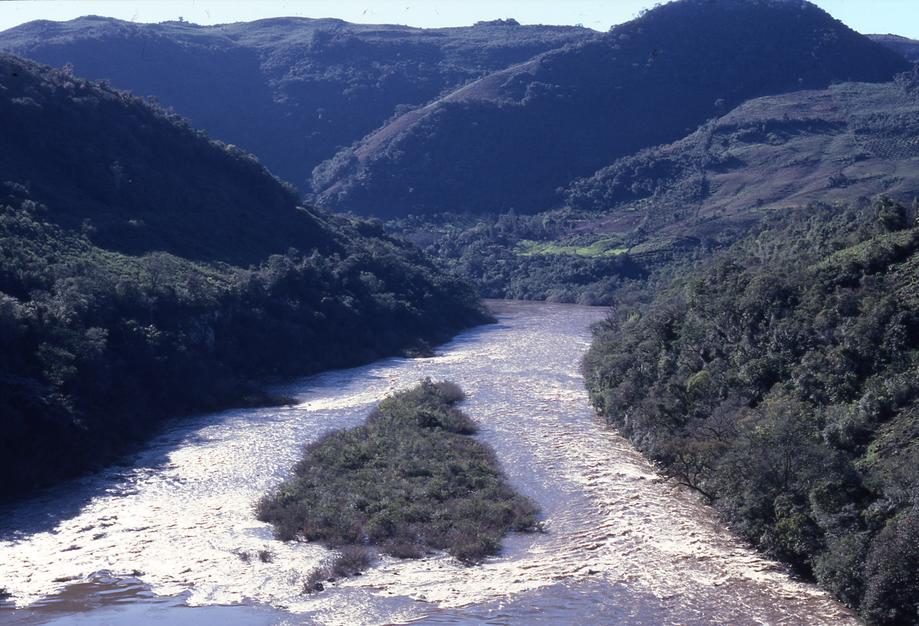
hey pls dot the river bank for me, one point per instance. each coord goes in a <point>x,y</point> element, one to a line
<point>622,544</point>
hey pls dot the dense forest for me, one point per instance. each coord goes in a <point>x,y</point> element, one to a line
<point>522,257</point>
<point>293,91</point>
<point>780,382</point>
<point>227,284</point>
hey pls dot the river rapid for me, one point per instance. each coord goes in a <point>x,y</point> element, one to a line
<point>170,537</point>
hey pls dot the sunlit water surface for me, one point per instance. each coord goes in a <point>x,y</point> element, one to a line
<point>160,539</point>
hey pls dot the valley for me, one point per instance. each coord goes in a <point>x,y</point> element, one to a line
<point>619,540</point>
<point>306,321</point>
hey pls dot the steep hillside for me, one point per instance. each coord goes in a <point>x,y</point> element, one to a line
<point>684,199</point>
<point>909,48</point>
<point>290,90</point>
<point>137,179</point>
<point>512,138</point>
<point>848,141</point>
<point>146,272</point>
<point>779,381</point>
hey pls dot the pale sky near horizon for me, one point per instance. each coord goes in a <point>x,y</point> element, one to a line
<point>900,17</point>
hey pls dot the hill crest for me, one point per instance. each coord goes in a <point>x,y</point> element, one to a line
<point>510,139</point>
<point>291,90</point>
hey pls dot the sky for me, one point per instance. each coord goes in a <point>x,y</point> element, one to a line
<point>867,16</point>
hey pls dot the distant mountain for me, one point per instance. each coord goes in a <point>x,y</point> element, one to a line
<point>909,48</point>
<point>148,272</point>
<point>290,90</point>
<point>512,138</point>
<point>667,205</point>
<point>851,140</point>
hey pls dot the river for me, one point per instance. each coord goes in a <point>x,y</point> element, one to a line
<point>169,536</point>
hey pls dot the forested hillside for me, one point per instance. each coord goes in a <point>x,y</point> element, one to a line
<point>765,356</point>
<point>293,91</point>
<point>527,257</point>
<point>136,179</point>
<point>513,138</point>
<point>682,200</point>
<point>780,382</point>
<point>146,271</point>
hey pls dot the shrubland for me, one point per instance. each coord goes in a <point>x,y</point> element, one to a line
<point>410,480</point>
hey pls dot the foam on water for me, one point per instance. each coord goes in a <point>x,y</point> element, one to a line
<point>620,541</point>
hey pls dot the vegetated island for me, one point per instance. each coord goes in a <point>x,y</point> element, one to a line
<point>408,481</point>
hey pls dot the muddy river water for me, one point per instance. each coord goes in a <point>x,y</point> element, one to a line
<point>169,536</point>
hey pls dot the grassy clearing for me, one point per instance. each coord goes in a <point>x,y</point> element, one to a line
<point>602,248</point>
<point>410,480</point>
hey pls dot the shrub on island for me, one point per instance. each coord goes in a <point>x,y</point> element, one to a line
<point>408,481</point>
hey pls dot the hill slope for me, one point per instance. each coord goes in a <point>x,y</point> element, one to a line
<point>139,179</point>
<point>513,137</point>
<point>848,141</point>
<point>769,155</point>
<point>779,381</point>
<point>909,48</point>
<point>104,332</point>
<point>290,90</point>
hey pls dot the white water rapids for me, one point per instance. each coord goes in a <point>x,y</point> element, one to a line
<point>622,545</point>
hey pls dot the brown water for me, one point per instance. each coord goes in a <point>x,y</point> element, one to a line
<point>160,539</point>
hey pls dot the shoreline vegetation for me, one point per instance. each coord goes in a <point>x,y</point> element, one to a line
<point>779,381</point>
<point>409,481</point>
<point>159,274</point>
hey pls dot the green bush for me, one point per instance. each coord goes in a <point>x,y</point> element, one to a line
<point>407,481</point>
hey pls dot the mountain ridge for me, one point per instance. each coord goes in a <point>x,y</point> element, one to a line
<point>74,145</point>
<point>848,141</point>
<point>535,127</point>
<point>291,90</point>
<point>909,48</point>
